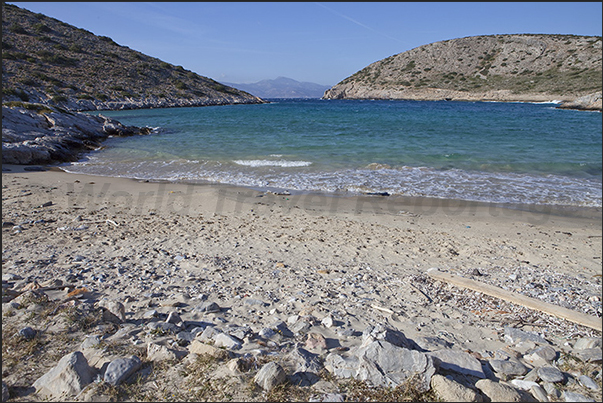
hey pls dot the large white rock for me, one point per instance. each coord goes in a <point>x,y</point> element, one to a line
<point>67,378</point>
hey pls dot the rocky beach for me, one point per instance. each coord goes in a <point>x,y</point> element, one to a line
<point>117,289</point>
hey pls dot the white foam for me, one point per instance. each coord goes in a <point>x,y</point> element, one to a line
<point>272,163</point>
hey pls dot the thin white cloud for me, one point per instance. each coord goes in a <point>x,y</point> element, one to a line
<point>357,22</point>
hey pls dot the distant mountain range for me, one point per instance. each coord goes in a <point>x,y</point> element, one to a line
<point>282,87</point>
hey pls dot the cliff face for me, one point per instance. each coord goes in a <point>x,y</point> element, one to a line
<point>50,62</point>
<point>481,68</point>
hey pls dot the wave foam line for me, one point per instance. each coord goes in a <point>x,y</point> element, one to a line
<point>269,163</point>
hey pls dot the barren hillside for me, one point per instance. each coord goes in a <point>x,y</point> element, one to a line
<point>48,61</point>
<point>497,67</point>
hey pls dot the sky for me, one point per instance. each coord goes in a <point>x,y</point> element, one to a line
<point>319,42</point>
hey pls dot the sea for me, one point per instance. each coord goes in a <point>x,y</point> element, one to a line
<point>518,153</point>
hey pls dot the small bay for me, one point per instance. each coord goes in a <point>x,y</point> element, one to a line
<point>480,151</point>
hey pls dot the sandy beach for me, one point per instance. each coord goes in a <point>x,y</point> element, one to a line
<point>363,259</point>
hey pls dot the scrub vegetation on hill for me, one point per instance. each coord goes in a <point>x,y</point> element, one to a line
<point>48,61</point>
<point>515,67</point>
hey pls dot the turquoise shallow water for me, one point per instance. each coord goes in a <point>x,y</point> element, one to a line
<point>494,152</point>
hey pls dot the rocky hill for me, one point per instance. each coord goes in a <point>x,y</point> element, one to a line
<point>283,87</point>
<point>495,67</point>
<point>50,62</point>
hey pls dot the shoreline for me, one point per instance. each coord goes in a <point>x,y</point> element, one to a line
<point>381,204</point>
<point>280,268</point>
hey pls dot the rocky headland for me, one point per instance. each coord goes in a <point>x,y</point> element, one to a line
<point>37,134</point>
<point>51,71</point>
<point>524,68</point>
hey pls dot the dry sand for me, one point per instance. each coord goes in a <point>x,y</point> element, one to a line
<point>362,259</point>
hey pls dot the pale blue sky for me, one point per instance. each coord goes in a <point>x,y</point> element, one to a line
<point>308,41</point>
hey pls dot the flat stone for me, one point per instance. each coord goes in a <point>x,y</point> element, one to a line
<point>508,367</point>
<point>587,382</point>
<point>539,393</point>
<point>550,374</point>
<point>253,301</point>
<point>327,321</point>
<point>183,338</point>
<point>546,352</point>
<point>200,348</point>
<point>588,342</point>
<point>304,361</point>
<point>208,334</point>
<point>515,336</point>
<point>156,352</point>
<point>240,332</point>
<point>121,369</point>
<point>266,333</point>
<point>497,392</point>
<point>174,318</point>
<point>116,308</point>
<point>449,390</point>
<point>150,314</point>
<point>458,361</point>
<point>430,343</point>
<point>576,397</point>
<point>594,355</point>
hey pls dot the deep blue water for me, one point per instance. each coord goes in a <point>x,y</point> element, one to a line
<point>496,152</point>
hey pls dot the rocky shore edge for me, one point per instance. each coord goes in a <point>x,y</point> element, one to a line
<point>40,134</point>
<point>590,102</point>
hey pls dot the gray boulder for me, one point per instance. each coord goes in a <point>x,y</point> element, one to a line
<point>270,375</point>
<point>384,364</point>
<point>121,369</point>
